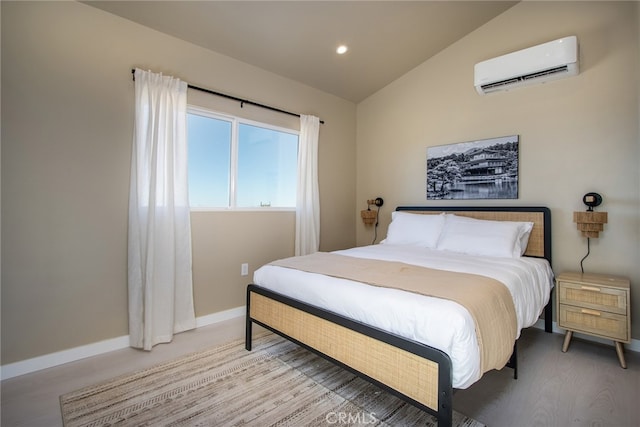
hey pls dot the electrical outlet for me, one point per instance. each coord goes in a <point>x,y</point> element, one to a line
<point>244,269</point>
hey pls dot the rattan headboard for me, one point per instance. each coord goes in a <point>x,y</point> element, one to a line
<point>540,238</point>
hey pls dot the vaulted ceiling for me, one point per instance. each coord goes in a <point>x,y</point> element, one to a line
<point>298,39</point>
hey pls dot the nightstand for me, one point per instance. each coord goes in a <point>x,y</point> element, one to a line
<point>594,304</point>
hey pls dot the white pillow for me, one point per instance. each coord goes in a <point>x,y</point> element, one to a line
<point>523,241</point>
<point>414,229</point>
<point>483,237</point>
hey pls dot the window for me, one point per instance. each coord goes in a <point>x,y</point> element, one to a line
<point>235,163</point>
<point>209,142</point>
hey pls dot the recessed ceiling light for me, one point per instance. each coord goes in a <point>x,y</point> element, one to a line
<point>342,49</point>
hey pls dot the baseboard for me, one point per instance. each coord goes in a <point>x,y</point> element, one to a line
<point>634,345</point>
<point>22,367</point>
<point>220,316</point>
<point>61,357</point>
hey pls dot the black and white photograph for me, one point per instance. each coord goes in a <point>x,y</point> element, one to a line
<point>483,169</point>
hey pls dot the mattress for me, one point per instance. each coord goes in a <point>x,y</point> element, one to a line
<point>436,322</point>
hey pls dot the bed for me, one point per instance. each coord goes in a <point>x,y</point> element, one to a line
<point>361,324</point>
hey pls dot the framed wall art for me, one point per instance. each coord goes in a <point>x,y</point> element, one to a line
<point>483,169</point>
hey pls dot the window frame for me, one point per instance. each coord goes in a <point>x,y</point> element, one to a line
<point>233,166</point>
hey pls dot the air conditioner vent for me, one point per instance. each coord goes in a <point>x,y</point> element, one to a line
<point>562,69</point>
<point>501,84</point>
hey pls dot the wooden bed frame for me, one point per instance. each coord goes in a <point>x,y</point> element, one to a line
<point>417,373</point>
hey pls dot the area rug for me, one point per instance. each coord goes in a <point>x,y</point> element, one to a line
<point>277,384</point>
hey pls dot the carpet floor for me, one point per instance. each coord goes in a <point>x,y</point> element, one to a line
<point>276,384</point>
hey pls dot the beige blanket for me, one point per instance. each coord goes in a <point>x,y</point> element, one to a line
<point>488,301</point>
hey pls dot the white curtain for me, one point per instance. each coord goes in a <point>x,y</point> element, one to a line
<point>160,277</point>
<point>308,198</point>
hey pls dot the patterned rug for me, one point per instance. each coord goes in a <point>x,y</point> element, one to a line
<point>276,384</point>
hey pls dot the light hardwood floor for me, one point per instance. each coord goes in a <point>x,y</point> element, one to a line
<point>583,387</point>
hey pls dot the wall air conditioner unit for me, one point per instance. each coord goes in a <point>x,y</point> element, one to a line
<point>538,64</point>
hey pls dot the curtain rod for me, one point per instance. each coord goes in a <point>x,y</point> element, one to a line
<point>240,100</point>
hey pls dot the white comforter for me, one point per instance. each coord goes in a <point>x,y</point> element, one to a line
<point>439,323</point>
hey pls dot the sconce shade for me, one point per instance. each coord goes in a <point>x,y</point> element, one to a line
<point>368,216</point>
<point>590,223</point>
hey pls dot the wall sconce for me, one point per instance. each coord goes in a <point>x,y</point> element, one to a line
<point>590,223</point>
<point>370,217</point>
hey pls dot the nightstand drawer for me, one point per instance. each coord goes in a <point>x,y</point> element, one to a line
<point>596,322</point>
<point>593,296</point>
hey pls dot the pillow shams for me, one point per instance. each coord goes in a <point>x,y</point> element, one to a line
<point>414,229</point>
<point>483,237</point>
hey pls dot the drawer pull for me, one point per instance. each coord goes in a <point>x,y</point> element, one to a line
<point>591,312</point>
<point>590,288</point>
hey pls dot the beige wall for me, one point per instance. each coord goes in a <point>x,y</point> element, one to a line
<point>67,104</point>
<point>576,135</point>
